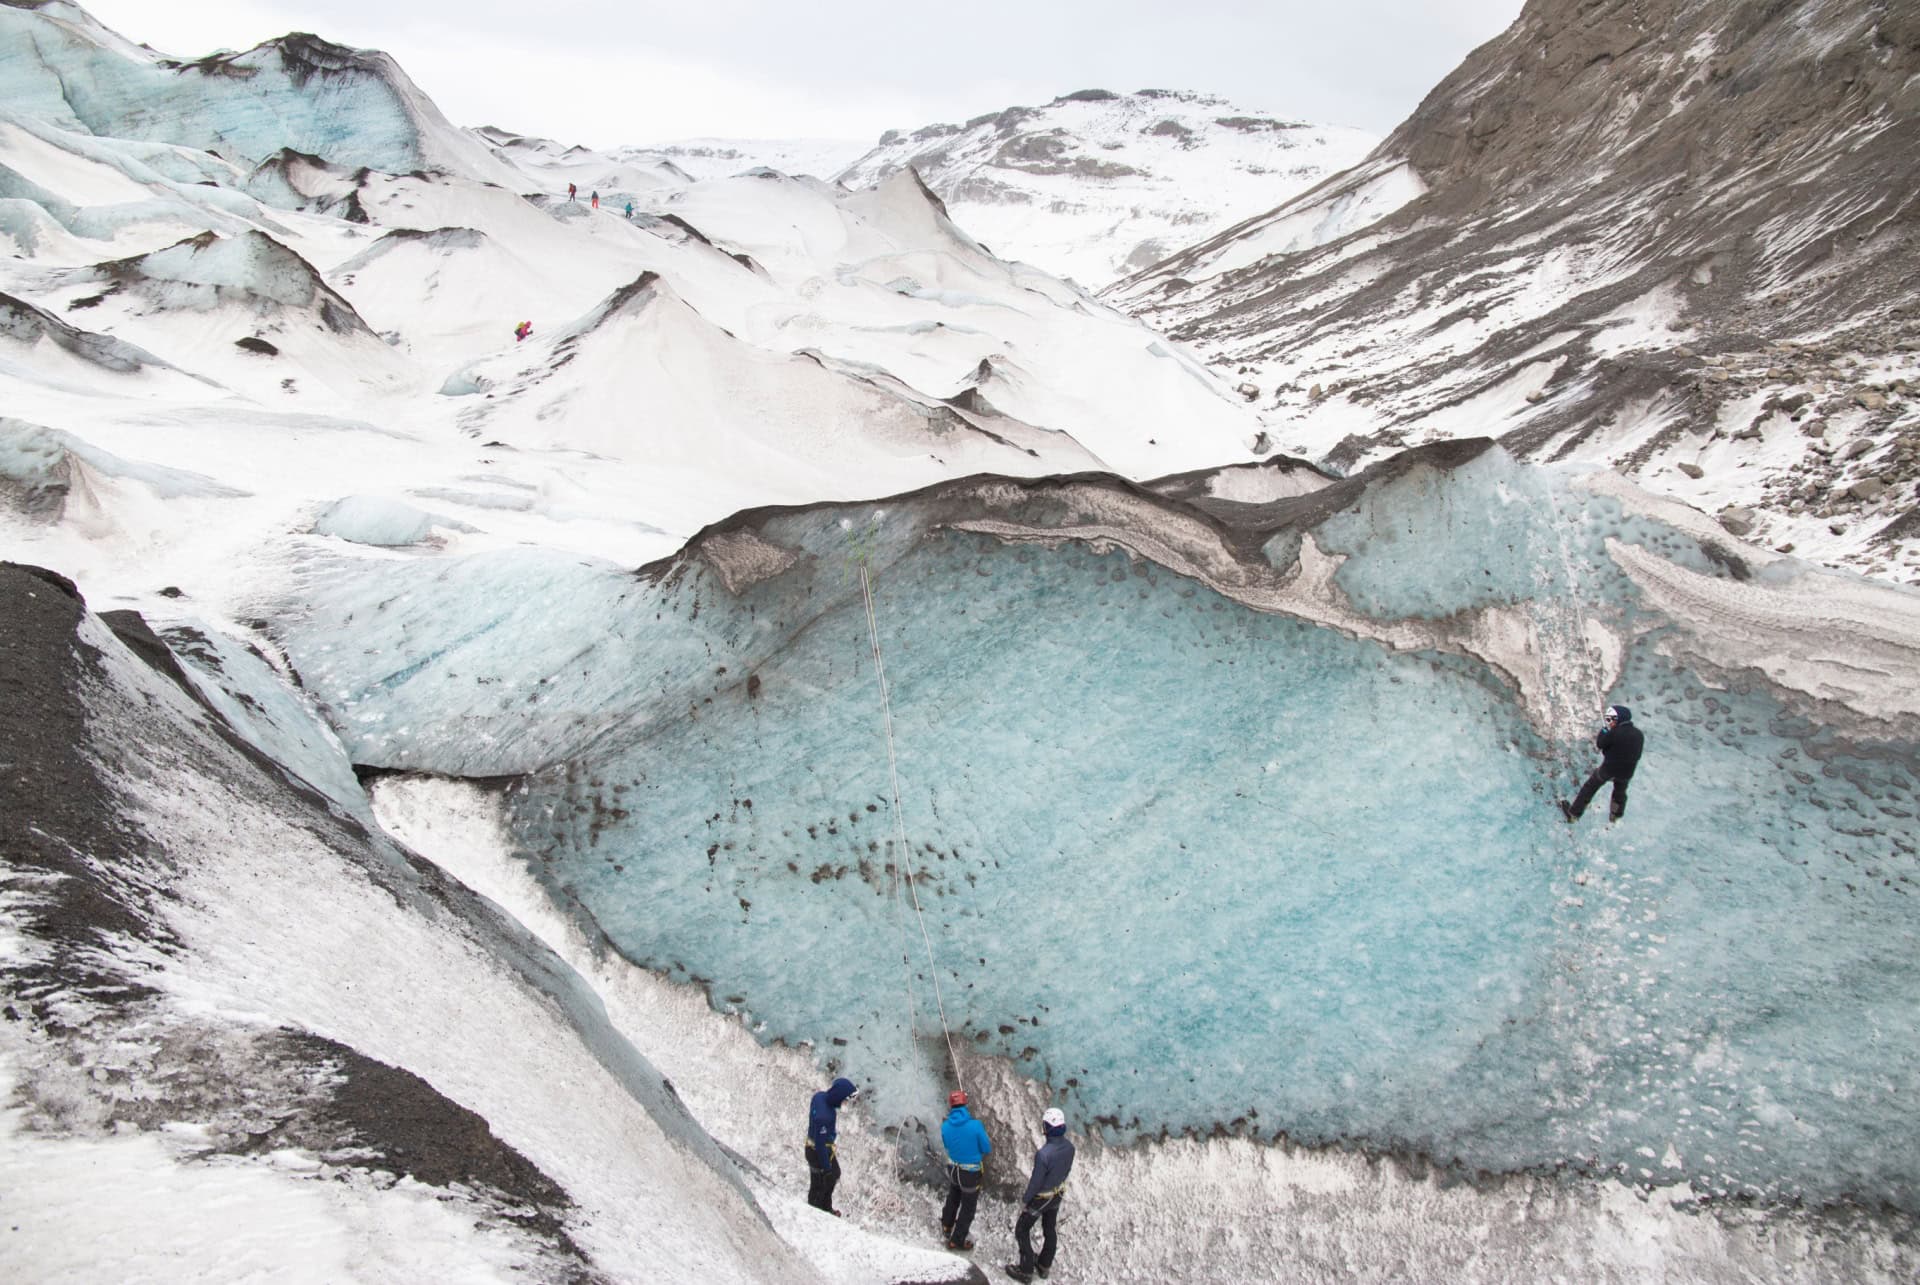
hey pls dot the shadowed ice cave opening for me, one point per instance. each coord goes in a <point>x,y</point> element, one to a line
<point>1192,864</point>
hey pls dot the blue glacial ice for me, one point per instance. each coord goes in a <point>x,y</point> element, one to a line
<point>1287,870</point>
<point>352,107</point>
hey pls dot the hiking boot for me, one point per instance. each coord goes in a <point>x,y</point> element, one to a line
<point>1019,1273</point>
<point>959,1246</point>
<point>1042,1271</point>
<point>1566,810</point>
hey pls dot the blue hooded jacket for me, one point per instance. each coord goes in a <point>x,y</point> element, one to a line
<point>823,1120</point>
<point>965,1139</point>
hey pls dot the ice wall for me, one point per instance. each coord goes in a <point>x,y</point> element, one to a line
<point>1267,844</point>
<point>352,107</point>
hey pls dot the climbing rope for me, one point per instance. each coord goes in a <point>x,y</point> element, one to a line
<point>1574,683</point>
<point>900,832</point>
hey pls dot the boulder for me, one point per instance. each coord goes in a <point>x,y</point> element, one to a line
<point>1736,520</point>
<point>1867,488</point>
<point>1691,470</point>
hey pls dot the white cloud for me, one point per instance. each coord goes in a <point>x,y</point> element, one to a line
<point>601,74</point>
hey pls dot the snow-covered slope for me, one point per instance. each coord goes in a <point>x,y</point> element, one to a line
<point>247,1034</point>
<point>1673,237</point>
<point>1096,185</point>
<point>337,311</point>
<point>724,157</point>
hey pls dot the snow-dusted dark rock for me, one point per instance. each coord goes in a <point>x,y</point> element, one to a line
<point>1095,185</point>
<point>1611,234</point>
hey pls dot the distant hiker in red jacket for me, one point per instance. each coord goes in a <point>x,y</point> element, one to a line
<point>572,191</point>
<point>522,330</point>
<point>596,200</point>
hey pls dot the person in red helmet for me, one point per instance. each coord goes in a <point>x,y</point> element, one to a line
<point>967,1149</point>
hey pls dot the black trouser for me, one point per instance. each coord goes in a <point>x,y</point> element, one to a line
<point>1617,805</point>
<point>820,1182</point>
<point>963,1193</point>
<point>1047,1214</point>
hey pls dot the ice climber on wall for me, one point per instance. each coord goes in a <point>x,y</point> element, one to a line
<point>967,1148</point>
<point>1620,743</point>
<point>823,1127</point>
<point>1051,1165</point>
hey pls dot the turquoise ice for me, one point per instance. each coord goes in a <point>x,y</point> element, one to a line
<point>1199,866</point>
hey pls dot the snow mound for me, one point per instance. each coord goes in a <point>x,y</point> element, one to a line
<point>24,324</point>
<point>379,521</point>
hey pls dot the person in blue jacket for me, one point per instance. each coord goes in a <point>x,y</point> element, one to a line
<point>967,1150</point>
<point>1620,744</point>
<point>1051,1165</point>
<point>823,1128</point>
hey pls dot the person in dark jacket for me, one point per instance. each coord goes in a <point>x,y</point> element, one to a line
<point>1051,1165</point>
<point>1620,744</point>
<point>967,1150</point>
<point>823,1128</point>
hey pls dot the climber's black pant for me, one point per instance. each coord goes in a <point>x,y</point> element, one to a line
<point>963,1193</point>
<point>1046,1215</point>
<point>820,1182</point>
<point>1616,806</point>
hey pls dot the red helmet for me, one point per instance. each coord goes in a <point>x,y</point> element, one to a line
<point>957,1098</point>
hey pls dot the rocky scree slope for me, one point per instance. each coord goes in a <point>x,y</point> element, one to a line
<point>1676,236</point>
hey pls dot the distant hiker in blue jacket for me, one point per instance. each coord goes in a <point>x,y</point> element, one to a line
<point>1620,744</point>
<point>967,1151</point>
<point>823,1127</point>
<point>1051,1165</point>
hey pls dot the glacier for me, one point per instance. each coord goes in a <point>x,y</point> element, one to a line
<point>1224,817</point>
<point>401,716</point>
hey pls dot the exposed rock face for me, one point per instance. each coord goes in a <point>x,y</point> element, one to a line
<point>1096,184</point>
<point>1646,229</point>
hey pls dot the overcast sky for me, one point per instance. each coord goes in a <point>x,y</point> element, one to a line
<point>598,73</point>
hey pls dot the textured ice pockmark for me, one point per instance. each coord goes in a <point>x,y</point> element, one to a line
<point>1337,909</point>
<point>1194,864</point>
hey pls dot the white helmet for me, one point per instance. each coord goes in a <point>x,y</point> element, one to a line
<point>1055,1118</point>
